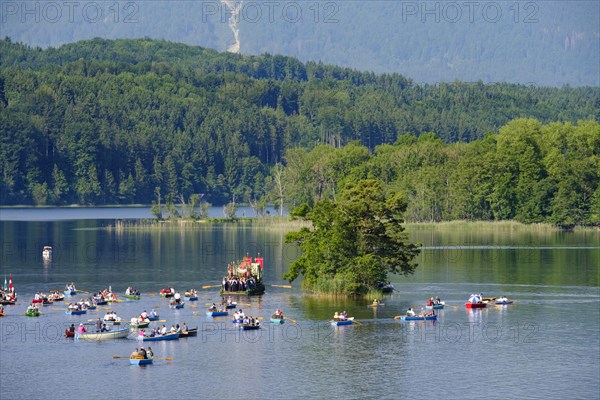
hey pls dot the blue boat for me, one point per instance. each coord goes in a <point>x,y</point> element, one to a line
<point>140,361</point>
<point>230,306</point>
<point>176,305</point>
<point>348,321</point>
<point>217,313</point>
<point>435,307</point>
<point>419,318</point>
<point>93,307</point>
<point>75,312</point>
<point>155,318</point>
<point>169,336</point>
<point>70,292</point>
<point>192,298</point>
<point>277,320</point>
<point>248,327</point>
<point>102,302</point>
<point>503,302</point>
<point>237,321</point>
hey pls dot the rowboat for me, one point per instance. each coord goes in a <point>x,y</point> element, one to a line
<point>192,298</point>
<point>75,312</point>
<point>91,307</point>
<point>166,293</point>
<point>435,307</point>
<point>155,318</point>
<point>47,252</point>
<point>102,302</point>
<point>133,296</point>
<point>419,318</point>
<point>348,321</point>
<point>376,305</point>
<point>189,332</point>
<point>503,302</point>
<point>69,334</point>
<point>47,302</point>
<point>230,306</point>
<point>70,292</point>
<point>248,327</point>
<point>176,305</point>
<point>277,320</point>
<point>140,325</point>
<point>217,313</point>
<point>168,336</point>
<point>32,313</point>
<point>140,361</point>
<point>34,301</point>
<point>5,302</point>
<point>112,322</point>
<point>110,335</point>
<point>238,321</point>
<point>475,305</point>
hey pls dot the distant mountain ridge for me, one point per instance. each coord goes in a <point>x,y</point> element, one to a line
<point>541,43</point>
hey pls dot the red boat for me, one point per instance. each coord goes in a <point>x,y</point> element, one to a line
<point>69,334</point>
<point>475,305</point>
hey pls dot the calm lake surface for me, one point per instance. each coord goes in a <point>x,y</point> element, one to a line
<point>544,346</point>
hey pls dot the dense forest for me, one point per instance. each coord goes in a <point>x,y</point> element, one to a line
<point>127,121</point>
<point>542,43</point>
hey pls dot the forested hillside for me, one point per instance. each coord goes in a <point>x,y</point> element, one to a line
<point>105,122</point>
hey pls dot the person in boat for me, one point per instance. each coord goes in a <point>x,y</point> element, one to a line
<point>430,302</point>
<point>410,312</point>
<point>163,330</point>
<point>30,308</point>
<point>104,328</point>
<point>344,315</point>
<point>153,314</point>
<point>143,353</point>
<point>81,329</point>
<point>98,325</point>
<point>229,301</point>
<point>177,298</point>
<point>144,316</point>
<point>437,300</point>
<point>149,353</point>
<point>502,299</point>
<point>213,307</point>
<point>241,313</point>
<point>376,302</point>
<point>336,316</point>
<point>184,328</point>
<point>134,354</point>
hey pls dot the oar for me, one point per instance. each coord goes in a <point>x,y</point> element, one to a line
<point>211,286</point>
<point>356,322</point>
<point>293,320</point>
<point>283,286</point>
<point>154,358</point>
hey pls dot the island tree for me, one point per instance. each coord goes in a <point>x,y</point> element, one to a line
<point>353,242</point>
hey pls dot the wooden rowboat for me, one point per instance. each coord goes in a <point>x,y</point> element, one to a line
<point>169,336</point>
<point>110,335</point>
<point>419,318</point>
<point>189,332</point>
<point>348,321</point>
<point>475,305</point>
<point>248,327</point>
<point>75,312</point>
<point>217,313</point>
<point>140,361</point>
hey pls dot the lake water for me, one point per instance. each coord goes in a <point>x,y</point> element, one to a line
<point>545,345</point>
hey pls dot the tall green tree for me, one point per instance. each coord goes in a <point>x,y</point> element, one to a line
<point>355,241</point>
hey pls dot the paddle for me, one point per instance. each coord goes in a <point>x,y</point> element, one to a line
<point>154,358</point>
<point>293,320</point>
<point>283,286</point>
<point>211,286</point>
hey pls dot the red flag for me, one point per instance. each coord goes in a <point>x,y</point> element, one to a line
<point>260,261</point>
<point>10,285</point>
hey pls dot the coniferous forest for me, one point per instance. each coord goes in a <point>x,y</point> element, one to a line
<point>134,121</point>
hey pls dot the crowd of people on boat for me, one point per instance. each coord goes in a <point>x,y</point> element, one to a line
<point>32,309</point>
<point>8,295</point>
<point>343,316</point>
<point>111,316</point>
<point>424,313</point>
<point>238,284</point>
<point>434,302</point>
<point>240,318</point>
<point>214,307</point>
<point>131,291</point>
<point>78,306</point>
<point>191,293</point>
<point>142,354</point>
<point>162,331</point>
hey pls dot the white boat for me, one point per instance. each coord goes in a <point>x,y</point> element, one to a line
<point>110,335</point>
<point>47,252</point>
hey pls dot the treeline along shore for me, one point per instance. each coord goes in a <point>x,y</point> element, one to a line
<point>146,121</point>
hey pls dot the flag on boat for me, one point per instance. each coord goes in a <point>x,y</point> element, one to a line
<point>259,260</point>
<point>10,285</point>
<point>5,286</point>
